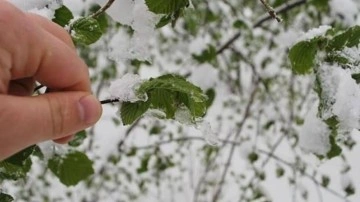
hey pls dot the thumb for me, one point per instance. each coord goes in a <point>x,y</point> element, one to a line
<point>25,121</point>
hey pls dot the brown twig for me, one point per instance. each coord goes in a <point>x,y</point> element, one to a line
<point>271,11</point>
<point>102,9</point>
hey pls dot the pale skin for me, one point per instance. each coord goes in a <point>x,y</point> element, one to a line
<point>33,48</point>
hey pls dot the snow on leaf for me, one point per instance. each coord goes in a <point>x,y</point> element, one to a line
<point>125,89</point>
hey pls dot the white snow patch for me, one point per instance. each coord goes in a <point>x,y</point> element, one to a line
<point>347,9</point>
<point>315,32</point>
<point>125,88</point>
<point>314,134</point>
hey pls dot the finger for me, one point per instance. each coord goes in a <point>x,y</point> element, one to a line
<point>46,117</point>
<point>52,28</point>
<point>31,51</point>
<point>22,87</point>
<point>64,140</point>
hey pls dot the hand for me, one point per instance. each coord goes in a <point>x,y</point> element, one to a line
<point>32,49</point>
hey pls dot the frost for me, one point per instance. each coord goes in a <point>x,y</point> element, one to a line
<point>125,88</point>
<point>351,54</point>
<point>312,33</point>
<point>314,134</point>
<point>155,113</point>
<point>210,136</point>
<point>49,149</point>
<point>183,115</point>
<point>342,94</point>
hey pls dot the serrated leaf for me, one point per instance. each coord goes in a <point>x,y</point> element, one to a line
<point>62,16</point>
<point>72,168</point>
<point>302,56</point>
<point>78,139</point>
<point>197,109</point>
<point>130,112</point>
<point>349,38</point>
<point>173,83</point>
<point>6,198</point>
<point>86,30</point>
<point>166,6</point>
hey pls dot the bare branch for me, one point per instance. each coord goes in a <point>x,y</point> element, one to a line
<point>271,11</point>
<point>232,150</point>
<point>102,9</point>
<point>282,9</point>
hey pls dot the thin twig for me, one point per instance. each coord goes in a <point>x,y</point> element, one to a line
<point>271,11</point>
<point>102,9</point>
<point>109,101</point>
<point>232,150</point>
<point>312,178</point>
<point>282,9</point>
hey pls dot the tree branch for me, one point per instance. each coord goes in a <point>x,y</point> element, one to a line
<point>232,150</point>
<point>102,9</point>
<point>282,9</point>
<point>312,178</point>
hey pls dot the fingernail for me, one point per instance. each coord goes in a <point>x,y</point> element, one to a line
<point>90,109</point>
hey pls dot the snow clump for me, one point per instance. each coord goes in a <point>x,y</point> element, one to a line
<point>124,89</point>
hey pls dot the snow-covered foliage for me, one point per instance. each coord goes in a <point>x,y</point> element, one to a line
<point>265,120</point>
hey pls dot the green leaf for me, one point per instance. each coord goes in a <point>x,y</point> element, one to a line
<point>325,180</point>
<point>78,139</point>
<point>6,198</point>
<point>72,168</point>
<point>166,6</point>
<point>349,190</point>
<point>253,157</point>
<point>164,100</point>
<point>164,21</point>
<point>62,16</point>
<point>356,77</point>
<point>129,112</point>
<point>18,165</point>
<point>144,164</point>
<point>320,4</point>
<point>210,93</point>
<point>239,24</point>
<point>86,30</point>
<point>207,55</point>
<point>349,38</point>
<point>102,19</point>
<point>302,56</point>
<point>335,150</point>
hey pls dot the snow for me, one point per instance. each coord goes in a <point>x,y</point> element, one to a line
<point>142,21</point>
<point>38,6</point>
<point>315,32</point>
<point>314,134</point>
<point>347,9</point>
<point>208,133</point>
<point>125,88</point>
<point>346,106</point>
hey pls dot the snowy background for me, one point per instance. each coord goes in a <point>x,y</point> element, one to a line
<point>260,108</point>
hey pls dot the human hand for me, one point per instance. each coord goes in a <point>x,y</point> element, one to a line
<point>32,49</point>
